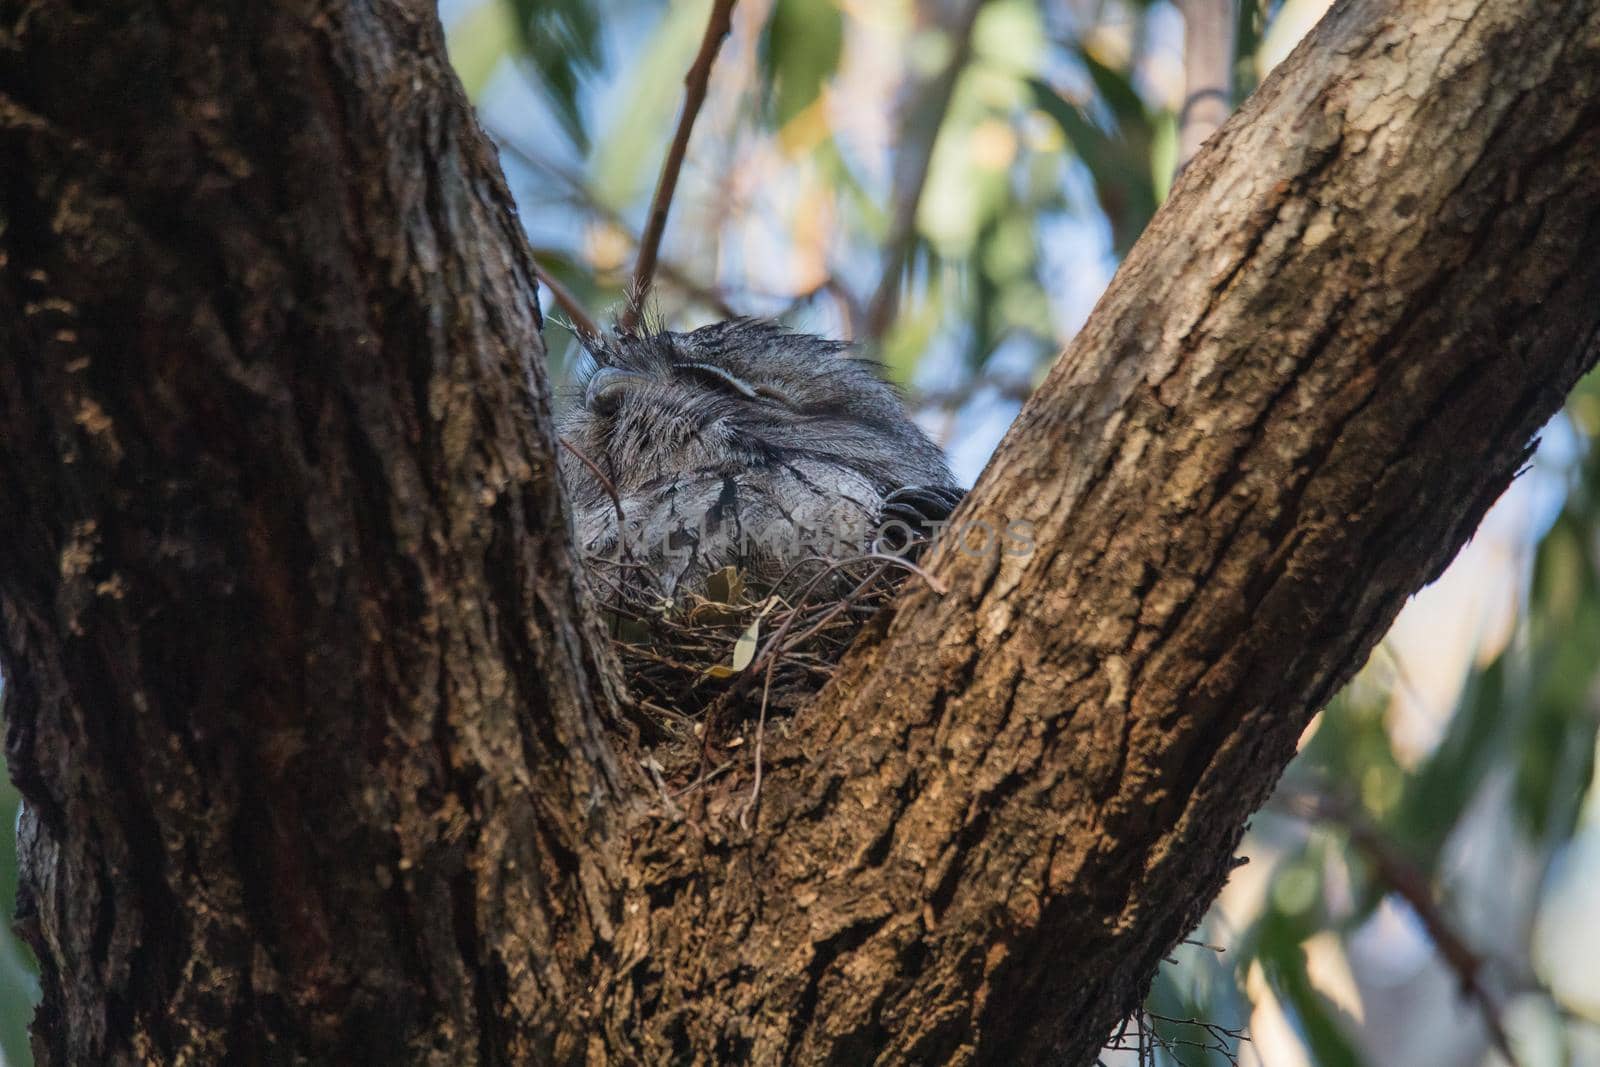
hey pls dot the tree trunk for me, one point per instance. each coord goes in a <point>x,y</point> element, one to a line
<point>302,695</point>
<point>320,741</point>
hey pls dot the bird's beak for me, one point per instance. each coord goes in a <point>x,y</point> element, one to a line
<point>606,387</point>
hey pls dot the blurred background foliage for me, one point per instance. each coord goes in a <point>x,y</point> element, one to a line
<point>952,184</point>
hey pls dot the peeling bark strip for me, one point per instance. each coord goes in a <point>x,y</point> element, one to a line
<point>306,701</point>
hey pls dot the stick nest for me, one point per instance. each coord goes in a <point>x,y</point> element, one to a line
<point>712,672</point>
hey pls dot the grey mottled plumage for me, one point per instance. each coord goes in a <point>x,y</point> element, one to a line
<point>742,443</point>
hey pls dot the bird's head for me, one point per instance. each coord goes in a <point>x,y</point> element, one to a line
<point>733,397</point>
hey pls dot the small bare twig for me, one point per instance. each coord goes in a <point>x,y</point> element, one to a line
<point>1395,870</point>
<point>1208,72</point>
<point>568,302</point>
<point>694,84</point>
<point>578,193</point>
<point>611,490</point>
<point>654,767</point>
<point>889,559</point>
<point>839,608</point>
<point>775,644</point>
<point>1146,1037</point>
<point>761,737</point>
<point>1008,387</point>
<point>920,134</point>
<point>703,779</point>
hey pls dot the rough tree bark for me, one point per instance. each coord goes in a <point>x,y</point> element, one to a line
<point>308,706</point>
<point>300,690</point>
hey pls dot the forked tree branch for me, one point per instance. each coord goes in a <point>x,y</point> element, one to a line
<point>310,704</point>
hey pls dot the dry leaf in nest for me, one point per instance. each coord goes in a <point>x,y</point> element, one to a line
<point>744,649</point>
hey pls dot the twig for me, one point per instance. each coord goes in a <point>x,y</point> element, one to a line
<point>1401,875</point>
<point>581,196</point>
<point>1224,1040</point>
<point>651,765</point>
<point>703,779</point>
<point>609,486</point>
<point>568,302</point>
<point>1208,73</point>
<point>892,560</point>
<point>761,736</point>
<point>1009,387</point>
<point>917,153</point>
<point>839,608</point>
<point>1147,1038</point>
<point>684,636</point>
<point>694,84</point>
<point>775,643</point>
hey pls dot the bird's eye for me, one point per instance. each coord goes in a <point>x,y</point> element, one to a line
<point>727,380</point>
<point>606,388</point>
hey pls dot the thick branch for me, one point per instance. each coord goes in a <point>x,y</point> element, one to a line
<point>1312,376</point>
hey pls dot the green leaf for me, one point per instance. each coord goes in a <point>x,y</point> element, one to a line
<point>724,602</point>
<point>1116,89</point>
<point>629,155</point>
<point>1251,27</point>
<point>1557,750</point>
<point>1284,961</point>
<point>1439,791</point>
<point>799,52</point>
<point>725,586</point>
<point>744,652</point>
<point>1163,154</point>
<point>477,43</point>
<point>1121,166</point>
<point>561,40</point>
